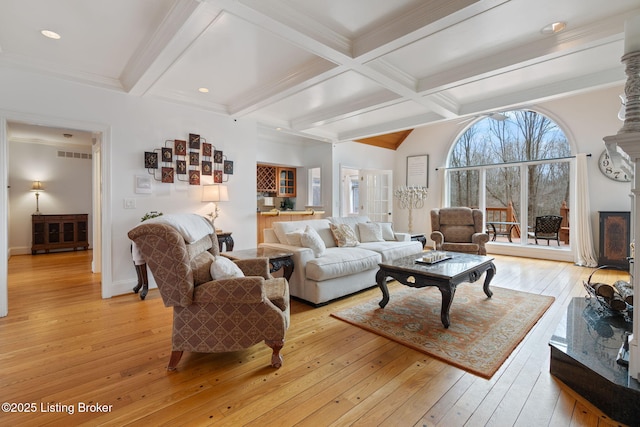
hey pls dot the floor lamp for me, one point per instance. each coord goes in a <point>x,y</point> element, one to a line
<point>37,187</point>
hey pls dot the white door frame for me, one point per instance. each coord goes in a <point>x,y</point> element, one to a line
<point>102,203</point>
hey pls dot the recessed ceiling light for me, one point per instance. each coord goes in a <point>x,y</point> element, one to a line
<point>203,90</point>
<point>554,28</point>
<point>50,34</point>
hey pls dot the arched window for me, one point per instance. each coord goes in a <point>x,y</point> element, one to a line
<point>507,164</point>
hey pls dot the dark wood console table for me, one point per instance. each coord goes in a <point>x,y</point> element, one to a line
<point>65,231</point>
<point>224,237</point>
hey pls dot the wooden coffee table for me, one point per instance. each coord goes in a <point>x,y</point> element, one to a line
<point>277,259</point>
<point>445,275</point>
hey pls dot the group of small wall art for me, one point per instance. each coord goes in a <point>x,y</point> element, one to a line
<point>192,159</point>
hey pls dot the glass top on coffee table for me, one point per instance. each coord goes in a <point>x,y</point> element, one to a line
<point>454,263</point>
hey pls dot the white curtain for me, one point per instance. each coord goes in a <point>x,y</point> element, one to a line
<point>581,235</point>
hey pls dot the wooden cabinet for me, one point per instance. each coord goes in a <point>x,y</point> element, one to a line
<point>286,182</point>
<point>278,180</point>
<point>52,232</point>
<point>614,238</point>
<point>266,179</point>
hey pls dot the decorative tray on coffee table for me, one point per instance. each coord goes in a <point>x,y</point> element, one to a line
<point>433,259</point>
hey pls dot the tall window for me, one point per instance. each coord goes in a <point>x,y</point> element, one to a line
<point>509,164</point>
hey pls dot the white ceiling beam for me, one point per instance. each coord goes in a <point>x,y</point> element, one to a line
<point>346,110</point>
<point>546,49</point>
<point>184,24</point>
<point>312,74</point>
<point>429,18</point>
<point>549,91</point>
<point>390,126</point>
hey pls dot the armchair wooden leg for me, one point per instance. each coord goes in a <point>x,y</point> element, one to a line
<point>276,357</point>
<point>173,361</point>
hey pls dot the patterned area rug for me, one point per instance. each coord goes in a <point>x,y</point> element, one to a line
<point>483,331</point>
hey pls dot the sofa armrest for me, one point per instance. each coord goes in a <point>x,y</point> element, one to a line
<point>402,237</point>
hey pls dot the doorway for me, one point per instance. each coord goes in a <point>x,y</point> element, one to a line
<point>99,135</point>
<point>366,192</point>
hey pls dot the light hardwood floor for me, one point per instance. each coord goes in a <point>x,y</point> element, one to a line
<point>64,345</point>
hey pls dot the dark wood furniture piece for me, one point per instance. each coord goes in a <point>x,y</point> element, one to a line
<point>277,259</point>
<point>55,232</point>
<point>224,238</point>
<point>419,237</point>
<point>614,238</point>
<point>445,275</point>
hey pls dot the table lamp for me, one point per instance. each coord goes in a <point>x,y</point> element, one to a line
<point>215,193</point>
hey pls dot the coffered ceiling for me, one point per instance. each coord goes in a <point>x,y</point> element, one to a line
<point>329,70</point>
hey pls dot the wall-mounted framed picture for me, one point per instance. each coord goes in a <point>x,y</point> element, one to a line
<point>418,171</point>
<point>194,158</point>
<point>167,175</point>
<point>207,168</point>
<point>180,146</point>
<point>194,177</point>
<point>142,184</point>
<point>151,160</point>
<point>181,167</point>
<point>194,141</point>
<point>217,156</point>
<point>228,167</point>
<point>167,155</point>
<point>206,149</point>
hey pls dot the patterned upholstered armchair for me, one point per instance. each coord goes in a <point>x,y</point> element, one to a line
<point>211,316</point>
<point>458,229</point>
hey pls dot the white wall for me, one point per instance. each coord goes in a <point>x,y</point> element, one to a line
<point>66,181</point>
<point>585,119</point>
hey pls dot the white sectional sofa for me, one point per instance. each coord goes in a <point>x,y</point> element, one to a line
<point>338,271</point>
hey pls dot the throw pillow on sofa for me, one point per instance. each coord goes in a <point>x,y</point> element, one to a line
<point>387,231</point>
<point>343,235</point>
<point>370,232</point>
<point>312,240</point>
<point>224,268</point>
<point>294,238</point>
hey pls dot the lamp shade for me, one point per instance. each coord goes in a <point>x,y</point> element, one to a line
<point>37,186</point>
<point>215,193</point>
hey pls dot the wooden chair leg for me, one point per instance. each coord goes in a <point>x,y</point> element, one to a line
<point>276,357</point>
<point>173,361</point>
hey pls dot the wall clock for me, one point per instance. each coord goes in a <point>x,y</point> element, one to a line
<point>610,171</point>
